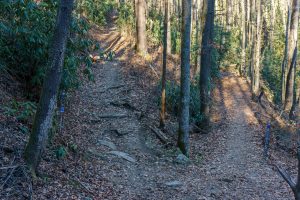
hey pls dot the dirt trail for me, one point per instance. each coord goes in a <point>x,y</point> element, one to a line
<point>238,160</point>
<point>112,114</point>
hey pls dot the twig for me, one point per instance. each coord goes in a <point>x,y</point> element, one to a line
<point>199,129</point>
<point>8,177</point>
<point>9,167</point>
<point>85,187</point>
<point>29,182</point>
<point>154,71</point>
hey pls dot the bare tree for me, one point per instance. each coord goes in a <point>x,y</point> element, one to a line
<point>47,104</point>
<point>183,132</point>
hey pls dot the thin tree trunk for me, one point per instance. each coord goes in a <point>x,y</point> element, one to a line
<point>272,22</point>
<point>183,132</point>
<point>248,11</point>
<point>291,56</point>
<point>243,43</point>
<point>284,62</point>
<point>256,50</point>
<point>169,44</point>
<point>141,45</point>
<point>164,71</point>
<point>206,62</point>
<point>45,111</point>
<point>228,15</point>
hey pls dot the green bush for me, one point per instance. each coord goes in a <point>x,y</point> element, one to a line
<point>175,35</point>
<point>96,11</point>
<point>126,18</point>
<point>155,27</point>
<point>26,30</point>
<point>23,111</point>
<point>173,98</point>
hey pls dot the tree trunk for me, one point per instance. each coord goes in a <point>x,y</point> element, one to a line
<point>255,66</point>
<point>248,11</point>
<point>164,71</point>
<point>169,45</point>
<point>243,43</point>
<point>291,56</point>
<point>272,22</point>
<point>183,132</point>
<point>45,111</point>
<point>206,62</point>
<point>141,39</point>
<point>228,15</point>
<point>285,58</point>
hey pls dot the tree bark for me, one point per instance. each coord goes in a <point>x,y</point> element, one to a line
<point>47,104</point>
<point>141,39</point>
<point>206,62</point>
<point>183,132</point>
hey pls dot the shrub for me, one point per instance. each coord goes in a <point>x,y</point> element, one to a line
<point>26,30</point>
<point>173,97</point>
<point>126,18</point>
<point>96,11</point>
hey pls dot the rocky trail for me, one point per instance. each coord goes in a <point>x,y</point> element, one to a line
<point>120,157</point>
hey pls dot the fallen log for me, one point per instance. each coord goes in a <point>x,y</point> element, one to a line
<point>163,138</point>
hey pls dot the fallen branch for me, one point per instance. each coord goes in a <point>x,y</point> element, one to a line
<point>109,117</point>
<point>286,177</point>
<point>163,138</point>
<point>112,87</point>
<point>8,167</point>
<point>113,116</point>
<point>115,87</point>
<point>125,105</point>
<point>294,186</point>
<point>198,129</point>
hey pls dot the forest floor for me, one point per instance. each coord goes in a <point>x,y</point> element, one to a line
<point>113,152</point>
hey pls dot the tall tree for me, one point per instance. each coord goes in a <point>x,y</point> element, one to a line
<point>229,13</point>
<point>289,63</point>
<point>163,79</point>
<point>183,132</point>
<point>169,45</point>
<point>141,39</point>
<point>243,42</point>
<point>47,104</point>
<point>256,48</point>
<point>284,62</point>
<point>206,61</point>
<point>272,21</point>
